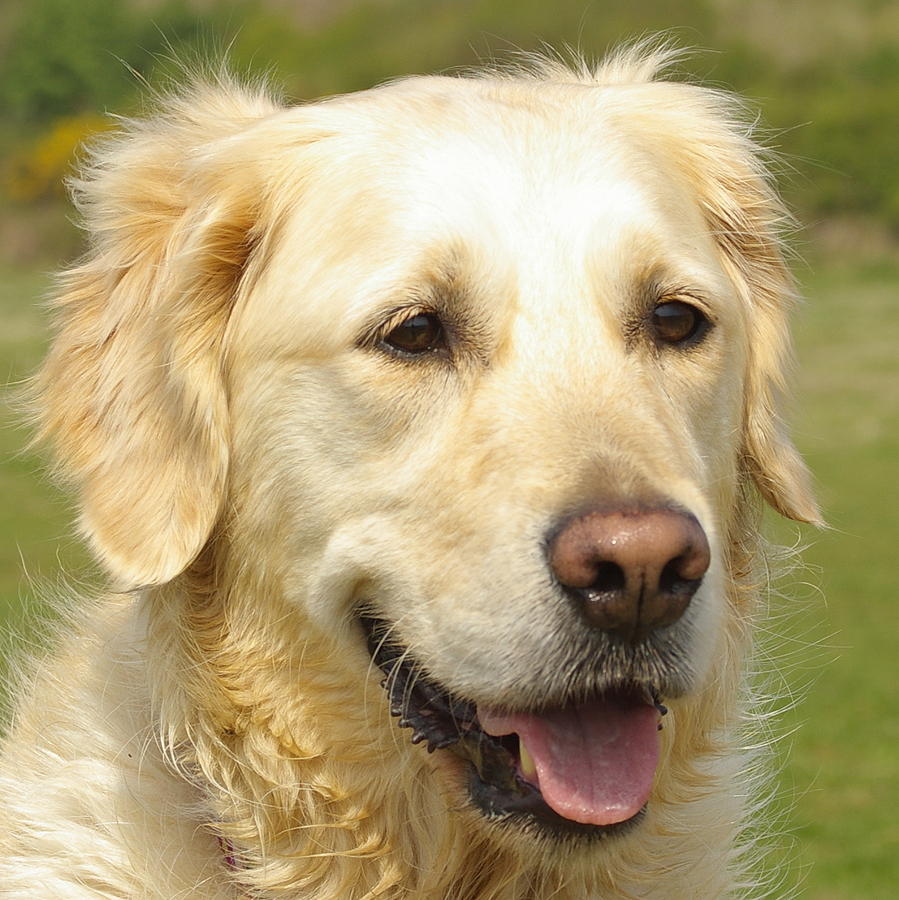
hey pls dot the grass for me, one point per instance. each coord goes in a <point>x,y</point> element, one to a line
<point>35,519</point>
<point>844,760</point>
<point>843,766</point>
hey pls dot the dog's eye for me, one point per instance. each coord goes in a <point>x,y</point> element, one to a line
<point>418,334</point>
<point>677,322</point>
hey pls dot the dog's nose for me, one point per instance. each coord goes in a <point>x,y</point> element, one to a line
<point>632,570</point>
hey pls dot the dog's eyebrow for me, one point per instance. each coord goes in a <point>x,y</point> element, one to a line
<point>444,275</point>
<point>441,286</point>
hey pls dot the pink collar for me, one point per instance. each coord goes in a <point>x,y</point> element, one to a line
<point>229,852</point>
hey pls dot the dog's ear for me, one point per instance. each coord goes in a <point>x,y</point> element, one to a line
<point>131,393</point>
<point>770,456</point>
<point>747,218</point>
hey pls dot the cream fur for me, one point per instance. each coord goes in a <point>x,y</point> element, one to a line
<point>247,473</point>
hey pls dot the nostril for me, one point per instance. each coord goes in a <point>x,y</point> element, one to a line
<point>610,578</point>
<point>672,581</point>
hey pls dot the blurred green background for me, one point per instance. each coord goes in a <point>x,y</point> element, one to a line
<point>824,76</point>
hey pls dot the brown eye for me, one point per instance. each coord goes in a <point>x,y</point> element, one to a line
<point>676,322</point>
<point>419,334</point>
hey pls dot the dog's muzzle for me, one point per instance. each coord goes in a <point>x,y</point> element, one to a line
<point>583,760</point>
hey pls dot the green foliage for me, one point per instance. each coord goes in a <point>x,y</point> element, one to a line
<point>61,58</point>
<point>826,75</point>
<point>835,122</point>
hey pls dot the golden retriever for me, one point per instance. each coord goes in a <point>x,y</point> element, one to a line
<point>421,432</point>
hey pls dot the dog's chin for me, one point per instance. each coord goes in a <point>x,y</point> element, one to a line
<point>599,791</point>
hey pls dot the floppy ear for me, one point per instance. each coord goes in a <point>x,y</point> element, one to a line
<point>770,456</point>
<point>131,393</point>
<point>747,218</point>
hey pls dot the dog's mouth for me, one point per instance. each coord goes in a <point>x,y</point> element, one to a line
<point>584,769</point>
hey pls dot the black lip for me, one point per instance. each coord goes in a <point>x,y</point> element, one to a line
<point>433,714</point>
<point>447,722</point>
<point>531,812</point>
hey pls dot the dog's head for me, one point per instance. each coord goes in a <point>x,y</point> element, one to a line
<point>479,371</point>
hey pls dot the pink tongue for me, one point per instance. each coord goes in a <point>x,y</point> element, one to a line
<point>595,763</point>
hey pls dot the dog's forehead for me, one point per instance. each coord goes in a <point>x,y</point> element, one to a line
<point>523,184</point>
<point>529,159</point>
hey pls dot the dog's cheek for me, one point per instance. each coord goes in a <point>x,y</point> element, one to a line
<point>325,484</point>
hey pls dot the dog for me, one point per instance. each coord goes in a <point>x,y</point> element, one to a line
<point>424,434</point>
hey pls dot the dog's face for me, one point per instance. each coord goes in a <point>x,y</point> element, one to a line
<point>499,365</point>
<point>474,335</point>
